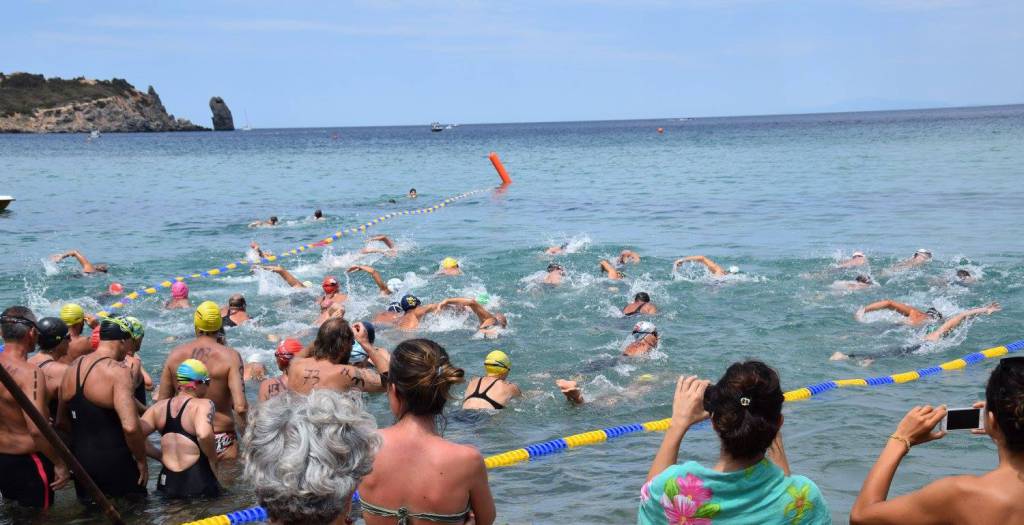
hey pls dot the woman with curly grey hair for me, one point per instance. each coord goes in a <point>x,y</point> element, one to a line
<point>306,454</point>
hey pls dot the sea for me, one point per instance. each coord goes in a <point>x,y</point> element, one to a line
<point>784,198</point>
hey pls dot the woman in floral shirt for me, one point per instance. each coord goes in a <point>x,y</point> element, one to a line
<point>744,487</point>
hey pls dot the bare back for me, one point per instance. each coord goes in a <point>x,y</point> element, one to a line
<point>14,430</point>
<point>499,390</point>
<point>226,390</point>
<point>179,452</point>
<point>305,375</point>
<point>78,347</point>
<point>54,372</point>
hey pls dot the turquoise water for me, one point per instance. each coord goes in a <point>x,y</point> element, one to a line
<point>781,197</point>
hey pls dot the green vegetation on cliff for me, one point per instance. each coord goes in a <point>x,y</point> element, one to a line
<point>24,92</point>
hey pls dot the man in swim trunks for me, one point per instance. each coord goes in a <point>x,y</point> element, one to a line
<point>88,268</point>
<point>179,296</point>
<point>391,250</point>
<point>493,390</point>
<point>413,312</point>
<point>920,257</point>
<point>387,288</point>
<point>449,267</point>
<point>234,313</point>
<point>74,316</point>
<point>629,256</point>
<point>98,408</point>
<point>645,339</point>
<point>641,305</point>
<point>31,469</point>
<point>712,266</point>
<point>53,342</point>
<point>227,389</point>
<point>911,316</point>
<point>610,269</point>
<point>328,363</point>
<point>490,325</point>
<point>555,274</point>
<point>284,354</point>
<point>187,446</point>
<point>856,259</point>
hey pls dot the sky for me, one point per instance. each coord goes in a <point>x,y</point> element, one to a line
<point>389,62</point>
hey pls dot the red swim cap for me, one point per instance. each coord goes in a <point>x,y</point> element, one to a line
<point>286,350</point>
<point>115,289</point>
<point>330,284</point>
<point>94,339</point>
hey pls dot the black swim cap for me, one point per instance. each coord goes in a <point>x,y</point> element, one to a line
<point>114,329</point>
<point>51,332</point>
<point>934,313</point>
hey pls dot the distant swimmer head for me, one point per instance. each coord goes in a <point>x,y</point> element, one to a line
<point>483,299</point>
<point>330,284</point>
<point>409,302</point>
<point>179,290</point>
<point>52,332</point>
<point>395,307</point>
<point>412,193</point>
<point>449,263</point>
<point>318,214</point>
<point>734,269</point>
<point>857,255</point>
<point>394,284</point>
<point>934,314</point>
<point>923,254</point>
<point>286,350</point>
<point>864,279</point>
<point>497,363</point>
<point>115,289</point>
<point>273,219</point>
<point>963,275</point>
<point>207,318</point>
<point>644,329</point>
<point>237,302</point>
<point>642,297</point>
<point>101,267</point>
<point>72,314</point>
<point>192,372</point>
<point>555,267</point>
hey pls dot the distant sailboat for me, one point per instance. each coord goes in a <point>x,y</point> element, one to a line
<point>246,127</point>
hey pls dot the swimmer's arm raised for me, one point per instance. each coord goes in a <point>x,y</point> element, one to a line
<point>712,266</point>
<point>286,275</point>
<point>953,322</point>
<point>888,304</point>
<point>87,266</point>
<point>608,268</point>
<point>373,274</point>
<point>384,239</point>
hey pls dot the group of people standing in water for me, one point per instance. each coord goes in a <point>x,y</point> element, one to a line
<point>309,444</point>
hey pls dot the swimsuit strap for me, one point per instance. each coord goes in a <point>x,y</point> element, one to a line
<point>477,394</point>
<point>44,363</point>
<point>81,384</point>
<point>403,514</point>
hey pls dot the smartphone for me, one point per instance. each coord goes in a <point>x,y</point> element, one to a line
<point>962,419</point>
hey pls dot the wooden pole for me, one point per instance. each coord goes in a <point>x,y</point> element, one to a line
<point>58,445</point>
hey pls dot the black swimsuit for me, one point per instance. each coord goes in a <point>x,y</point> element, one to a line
<point>197,480</point>
<point>477,394</point>
<point>227,322</point>
<point>97,440</point>
<point>636,311</point>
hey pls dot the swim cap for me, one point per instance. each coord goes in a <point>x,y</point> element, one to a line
<point>371,331</point>
<point>115,329</point>
<point>135,325</point>
<point>115,289</point>
<point>395,307</point>
<point>448,263</point>
<point>483,298</point>
<point>330,284</point>
<point>497,363</point>
<point>409,302</point>
<point>923,251</point>
<point>179,290</point>
<point>857,254</point>
<point>72,314</point>
<point>394,284</point>
<point>644,328</point>
<point>286,350</point>
<point>358,353</point>
<point>734,269</point>
<point>192,370</point>
<point>207,317</point>
<point>51,332</point>
<point>94,339</point>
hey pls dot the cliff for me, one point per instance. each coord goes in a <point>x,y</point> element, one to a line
<point>222,119</point>
<point>34,104</point>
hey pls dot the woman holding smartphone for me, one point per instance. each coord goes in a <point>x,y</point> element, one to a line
<point>994,497</point>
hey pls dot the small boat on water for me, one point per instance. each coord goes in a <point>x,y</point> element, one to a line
<point>4,201</point>
<point>436,126</point>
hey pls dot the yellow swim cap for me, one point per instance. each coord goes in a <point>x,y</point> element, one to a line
<point>497,363</point>
<point>71,314</point>
<point>448,263</point>
<point>207,318</point>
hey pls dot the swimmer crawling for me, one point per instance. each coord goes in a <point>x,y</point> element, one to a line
<point>920,257</point>
<point>265,224</point>
<point>450,266</point>
<point>912,316</point>
<point>857,259</point>
<point>391,250</point>
<point>645,339</point>
<point>555,274</point>
<point>557,250</point>
<point>641,305</point>
<point>609,268</point>
<point>88,268</point>
<point>862,282</point>
<point>490,323</point>
<point>629,256</point>
<point>712,266</point>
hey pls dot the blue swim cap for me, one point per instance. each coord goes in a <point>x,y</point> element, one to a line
<point>409,302</point>
<point>395,307</point>
<point>371,332</point>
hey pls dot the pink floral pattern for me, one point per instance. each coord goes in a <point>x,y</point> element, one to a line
<point>687,501</point>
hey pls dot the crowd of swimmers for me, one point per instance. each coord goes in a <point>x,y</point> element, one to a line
<point>309,444</point>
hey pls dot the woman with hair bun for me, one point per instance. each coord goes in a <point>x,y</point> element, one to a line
<point>996,496</point>
<point>419,477</point>
<point>745,408</point>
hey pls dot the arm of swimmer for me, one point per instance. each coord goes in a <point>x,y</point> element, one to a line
<point>167,381</point>
<point>149,422</point>
<point>377,279</point>
<point>480,499</point>
<point>384,239</point>
<point>610,270</point>
<point>87,266</point>
<point>953,322</point>
<point>368,381</point>
<point>926,506</point>
<point>126,407</point>
<point>205,434</point>
<point>147,380</point>
<point>38,397</point>
<point>288,277</point>
<point>237,387</point>
<point>885,305</point>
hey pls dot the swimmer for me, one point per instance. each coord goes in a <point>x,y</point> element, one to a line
<point>332,293</point>
<point>629,256</point>
<point>264,224</point>
<point>234,313</point>
<point>856,259</point>
<point>387,288</point>
<point>335,311</point>
<point>493,390</point>
<point>286,351</point>
<point>328,363</point>
<point>391,250</point>
<point>860,283</point>
<point>75,317</point>
<point>490,325</point>
<point>318,215</point>
<point>449,266</point>
<point>260,252</point>
<point>964,277</point>
<point>227,389</point>
<point>179,296</point>
<point>54,339</point>
<point>555,274</point>
<point>88,268</point>
<point>413,312</point>
<point>911,316</point>
<point>571,390</point>
<point>412,193</point>
<point>712,266</point>
<point>188,449</point>
<point>31,468</point>
<point>557,250</point>
<point>645,339</point>
<point>641,305</point>
<point>932,336</point>
<point>98,408</point>
<point>285,274</point>
<point>254,369</point>
<point>609,269</point>
<point>919,258</point>
<point>390,316</point>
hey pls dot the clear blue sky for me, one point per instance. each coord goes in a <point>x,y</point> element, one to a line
<point>304,63</point>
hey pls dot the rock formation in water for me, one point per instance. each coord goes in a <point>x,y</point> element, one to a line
<point>222,120</point>
<point>34,104</point>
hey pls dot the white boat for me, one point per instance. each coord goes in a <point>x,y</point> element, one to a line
<point>436,126</point>
<point>4,201</point>
<point>94,134</point>
<point>246,127</point>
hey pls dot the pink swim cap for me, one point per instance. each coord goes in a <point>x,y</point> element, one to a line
<point>179,290</point>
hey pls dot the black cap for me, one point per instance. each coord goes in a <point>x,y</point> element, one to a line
<point>51,332</point>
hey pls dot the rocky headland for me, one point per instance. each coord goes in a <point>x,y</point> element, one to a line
<point>34,104</point>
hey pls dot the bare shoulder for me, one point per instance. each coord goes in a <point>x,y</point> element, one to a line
<point>466,455</point>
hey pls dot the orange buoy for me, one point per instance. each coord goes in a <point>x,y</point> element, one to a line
<point>505,179</point>
<point>661,130</point>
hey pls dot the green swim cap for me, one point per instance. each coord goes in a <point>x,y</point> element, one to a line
<point>135,328</point>
<point>483,298</point>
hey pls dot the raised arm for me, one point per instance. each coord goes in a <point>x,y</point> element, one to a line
<point>953,322</point>
<point>384,239</point>
<point>888,304</point>
<point>687,409</point>
<point>380,357</point>
<point>712,266</point>
<point>125,405</point>
<point>374,274</point>
<point>286,275</point>
<point>608,268</point>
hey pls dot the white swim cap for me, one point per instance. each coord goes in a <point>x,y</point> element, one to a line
<point>734,269</point>
<point>857,254</point>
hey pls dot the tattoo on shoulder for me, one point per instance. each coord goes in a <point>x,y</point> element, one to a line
<point>201,353</point>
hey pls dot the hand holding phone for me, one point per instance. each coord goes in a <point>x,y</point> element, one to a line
<point>963,419</point>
